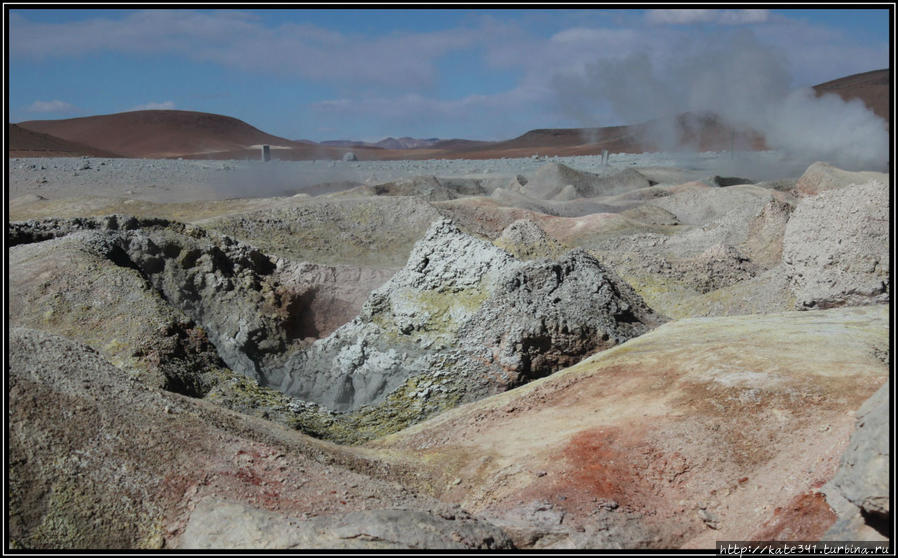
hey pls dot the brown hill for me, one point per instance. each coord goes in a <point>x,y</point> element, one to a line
<point>158,133</point>
<point>700,131</point>
<point>26,143</point>
<point>870,87</point>
<point>197,135</point>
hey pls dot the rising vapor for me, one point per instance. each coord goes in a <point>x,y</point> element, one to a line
<point>747,84</point>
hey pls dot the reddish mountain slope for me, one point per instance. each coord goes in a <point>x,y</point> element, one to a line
<point>157,133</point>
<point>26,143</point>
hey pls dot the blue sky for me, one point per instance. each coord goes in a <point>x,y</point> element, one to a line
<point>368,74</point>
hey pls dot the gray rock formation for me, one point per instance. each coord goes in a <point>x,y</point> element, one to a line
<point>62,287</point>
<point>226,525</point>
<point>764,244</point>
<point>428,187</point>
<point>229,288</point>
<point>218,282</point>
<point>820,177</point>
<point>555,181</point>
<point>462,320</point>
<point>526,241</point>
<point>470,318</point>
<point>372,232</point>
<point>863,475</point>
<point>97,460</point>
<point>350,156</point>
<point>709,205</point>
<point>721,265</point>
<point>836,247</point>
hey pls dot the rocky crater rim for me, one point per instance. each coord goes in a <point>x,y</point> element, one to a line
<point>462,320</point>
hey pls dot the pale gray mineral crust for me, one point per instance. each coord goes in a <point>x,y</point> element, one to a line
<point>463,318</point>
<point>216,524</point>
<point>836,247</point>
<point>471,316</point>
<point>863,477</point>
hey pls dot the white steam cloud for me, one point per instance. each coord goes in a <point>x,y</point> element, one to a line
<point>746,84</point>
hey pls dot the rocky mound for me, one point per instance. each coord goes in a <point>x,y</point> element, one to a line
<point>562,206</point>
<point>700,430</point>
<point>764,244</point>
<point>863,475</point>
<point>98,461</point>
<point>719,266</point>
<point>216,525</point>
<point>467,319</point>
<point>253,308</point>
<point>429,188</point>
<point>525,240</point>
<point>820,177</point>
<point>462,320</point>
<point>701,206</point>
<point>371,232</point>
<point>64,287</point>
<point>836,247</point>
<point>555,181</point>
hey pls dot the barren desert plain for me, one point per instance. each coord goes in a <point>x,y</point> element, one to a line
<point>520,345</point>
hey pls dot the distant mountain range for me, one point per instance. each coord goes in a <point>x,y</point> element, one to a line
<point>198,135</point>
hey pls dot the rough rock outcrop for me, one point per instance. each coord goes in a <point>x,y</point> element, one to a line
<point>97,460</point>
<point>863,475</point>
<point>226,525</point>
<point>555,181</point>
<point>375,231</point>
<point>525,240</point>
<point>472,320</point>
<point>820,177</point>
<point>719,266</point>
<point>462,320</point>
<point>429,188</point>
<point>764,244</point>
<point>836,247</point>
<point>253,308</point>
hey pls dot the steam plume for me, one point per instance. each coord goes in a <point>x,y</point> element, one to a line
<point>747,84</point>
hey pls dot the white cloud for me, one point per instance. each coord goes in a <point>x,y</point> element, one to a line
<point>726,17</point>
<point>50,106</point>
<point>489,117</point>
<point>167,105</point>
<point>239,40</point>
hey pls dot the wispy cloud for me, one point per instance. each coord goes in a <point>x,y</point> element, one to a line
<point>239,40</point>
<point>166,105</point>
<point>50,106</point>
<point>726,17</point>
<point>502,114</point>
